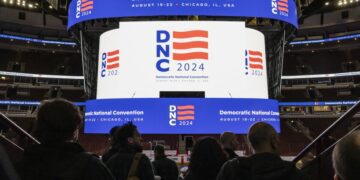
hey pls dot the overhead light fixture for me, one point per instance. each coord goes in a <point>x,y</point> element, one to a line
<point>327,3</point>
<point>30,5</point>
<point>50,7</point>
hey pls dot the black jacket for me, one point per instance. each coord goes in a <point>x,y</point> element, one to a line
<point>120,163</point>
<point>264,166</point>
<point>61,161</point>
<point>166,169</point>
<point>231,153</point>
<point>109,153</point>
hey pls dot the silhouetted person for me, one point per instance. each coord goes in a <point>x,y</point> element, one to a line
<point>346,158</point>
<point>206,159</point>
<point>265,164</point>
<point>163,166</point>
<point>59,156</point>
<point>230,143</point>
<point>129,161</point>
<point>114,147</point>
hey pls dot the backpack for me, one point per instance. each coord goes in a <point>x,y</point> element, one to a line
<point>134,167</point>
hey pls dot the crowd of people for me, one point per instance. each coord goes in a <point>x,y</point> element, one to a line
<point>61,157</point>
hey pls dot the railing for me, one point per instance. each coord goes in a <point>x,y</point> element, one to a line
<point>17,128</point>
<point>347,115</point>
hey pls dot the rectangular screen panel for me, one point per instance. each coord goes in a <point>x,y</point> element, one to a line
<point>181,115</point>
<point>222,59</point>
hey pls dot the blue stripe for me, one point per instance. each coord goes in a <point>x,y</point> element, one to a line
<point>326,40</point>
<point>5,36</point>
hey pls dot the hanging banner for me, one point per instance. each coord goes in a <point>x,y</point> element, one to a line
<point>181,116</point>
<point>84,10</point>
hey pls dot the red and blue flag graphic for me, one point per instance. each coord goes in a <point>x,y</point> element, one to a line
<point>185,113</point>
<point>86,5</point>
<point>190,45</point>
<point>253,60</point>
<point>112,61</point>
<point>283,5</point>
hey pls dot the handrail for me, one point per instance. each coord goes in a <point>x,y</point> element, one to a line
<point>349,114</point>
<point>333,145</point>
<point>8,141</point>
<point>17,128</point>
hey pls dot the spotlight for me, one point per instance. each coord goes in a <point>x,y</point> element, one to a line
<point>327,3</point>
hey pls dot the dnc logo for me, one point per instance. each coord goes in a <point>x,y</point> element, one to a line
<point>181,47</point>
<point>110,63</point>
<point>184,114</point>
<point>84,7</point>
<point>280,7</point>
<point>254,63</point>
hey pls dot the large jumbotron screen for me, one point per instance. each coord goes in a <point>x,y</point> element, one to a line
<point>224,61</point>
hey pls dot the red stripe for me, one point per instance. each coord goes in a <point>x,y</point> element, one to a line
<point>113,53</point>
<point>114,59</point>
<point>182,118</point>
<point>282,4</point>
<point>285,1</point>
<point>283,9</point>
<point>189,45</point>
<point>86,8</point>
<point>255,53</point>
<point>83,1</point>
<point>87,3</point>
<point>190,34</point>
<point>256,66</point>
<point>185,107</point>
<point>190,56</point>
<point>252,59</point>
<point>186,112</point>
<point>112,66</point>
